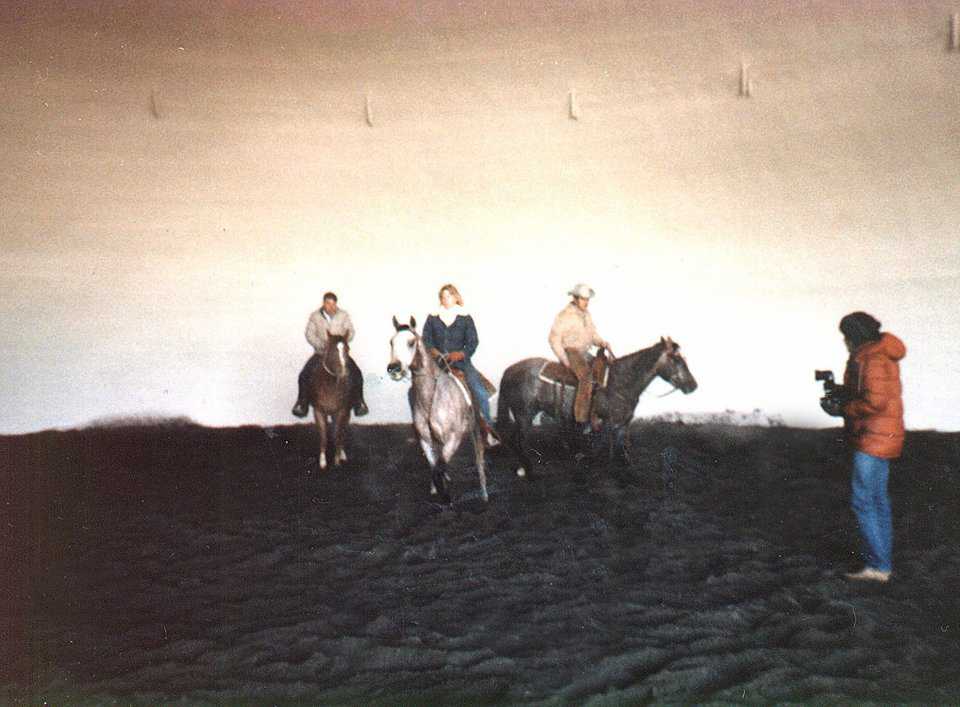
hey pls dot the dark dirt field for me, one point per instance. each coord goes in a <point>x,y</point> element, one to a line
<point>174,563</point>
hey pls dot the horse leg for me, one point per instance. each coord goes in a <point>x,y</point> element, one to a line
<point>339,436</point>
<point>430,452</point>
<point>523,427</point>
<point>447,451</point>
<point>321,419</point>
<point>477,437</point>
<point>625,443</point>
<point>513,431</point>
<point>438,482</point>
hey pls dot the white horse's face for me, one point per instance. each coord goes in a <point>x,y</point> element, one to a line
<point>403,349</point>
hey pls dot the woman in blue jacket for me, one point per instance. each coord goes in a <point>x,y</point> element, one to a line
<point>452,334</point>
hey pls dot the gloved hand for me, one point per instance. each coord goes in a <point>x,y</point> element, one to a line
<point>435,353</point>
<point>832,406</point>
<point>455,356</point>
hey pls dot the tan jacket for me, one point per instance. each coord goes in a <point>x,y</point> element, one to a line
<point>319,328</point>
<point>573,329</point>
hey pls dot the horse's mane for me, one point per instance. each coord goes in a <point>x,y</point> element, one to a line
<point>644,358</point>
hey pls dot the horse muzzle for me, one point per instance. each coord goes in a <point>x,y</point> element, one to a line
<point>395,370</point>
<point>688,386</point>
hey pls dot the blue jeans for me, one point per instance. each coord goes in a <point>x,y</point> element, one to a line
<point>871,504</point>
<point>480,393</point>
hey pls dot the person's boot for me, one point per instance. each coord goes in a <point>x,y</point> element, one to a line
<point>300,409</point>
<point>490,436</point>
<point>360,409</point>
<point>596,424</point>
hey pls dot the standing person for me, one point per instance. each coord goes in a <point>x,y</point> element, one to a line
<point>873,419</point>
<point>329,320</point>
<point>571,335</point>
<point>452,334</point>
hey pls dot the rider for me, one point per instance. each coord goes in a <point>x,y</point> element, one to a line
<point>329,320</point>
<point>451,333</point>
<point>571,335</point>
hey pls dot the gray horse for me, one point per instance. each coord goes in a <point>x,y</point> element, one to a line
<point>442,412</point>
<point>524,393</point>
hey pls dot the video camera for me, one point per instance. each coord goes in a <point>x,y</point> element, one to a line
<point>834,396</point>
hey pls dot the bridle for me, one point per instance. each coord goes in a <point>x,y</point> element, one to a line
<point>411,370</point>
<point>326,367</point>
<point>673,386</point>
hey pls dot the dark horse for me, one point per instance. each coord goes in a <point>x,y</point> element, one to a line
<point>523,394</point>
<point>330,397</point>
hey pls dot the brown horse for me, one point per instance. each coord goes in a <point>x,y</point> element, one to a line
<point>330,397</point>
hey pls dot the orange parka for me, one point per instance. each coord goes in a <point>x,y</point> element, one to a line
<point>874,418</point>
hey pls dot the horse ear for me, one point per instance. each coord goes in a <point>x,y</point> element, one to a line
<point>413,323</point>
<point>396,324</point>
<point>663,341</point>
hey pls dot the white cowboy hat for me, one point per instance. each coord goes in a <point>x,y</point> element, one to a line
<point>581,290</point>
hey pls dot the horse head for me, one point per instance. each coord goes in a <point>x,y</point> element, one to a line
<point>335,357</point>
<point>672,367</point>
<point>403,349</point>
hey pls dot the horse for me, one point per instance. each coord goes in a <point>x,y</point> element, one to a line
<point>524,393</point>
<point>440,403</point>
<point>330,398</point>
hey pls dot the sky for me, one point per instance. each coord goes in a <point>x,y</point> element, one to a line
<point>184,180</point>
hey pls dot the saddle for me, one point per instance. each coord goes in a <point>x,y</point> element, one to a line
<point>556,372</point>
<point>460,375</point>
<point>561,377</point>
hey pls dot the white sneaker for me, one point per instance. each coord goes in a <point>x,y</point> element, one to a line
<point>869,574</point>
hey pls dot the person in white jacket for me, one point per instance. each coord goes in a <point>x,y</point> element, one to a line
<point>572,334</point>
<point>327,321</point>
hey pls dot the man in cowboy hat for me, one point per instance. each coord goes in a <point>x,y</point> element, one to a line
<point>329,320</point>
<point>571,335</point>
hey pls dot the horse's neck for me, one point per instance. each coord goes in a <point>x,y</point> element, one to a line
<point>631,374</point>
<point>425,376</point>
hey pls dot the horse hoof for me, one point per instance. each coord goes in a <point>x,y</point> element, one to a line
<point>521,472</point>
<point>322,462</point>
<point>341,456</point>
<point>433,490</point>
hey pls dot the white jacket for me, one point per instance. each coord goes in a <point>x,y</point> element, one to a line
<point>319,327</point>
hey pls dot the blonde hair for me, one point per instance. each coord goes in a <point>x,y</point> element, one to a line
<point>455,293</point>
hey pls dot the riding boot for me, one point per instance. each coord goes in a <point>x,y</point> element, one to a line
<point>302,406</point>
<point>490,437</point>
<point>356,377</point>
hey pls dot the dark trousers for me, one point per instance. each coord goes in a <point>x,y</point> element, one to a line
<point>581,403</point>
<point>313,363</point>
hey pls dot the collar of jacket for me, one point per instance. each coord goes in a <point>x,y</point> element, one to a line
<point>449,316</point>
